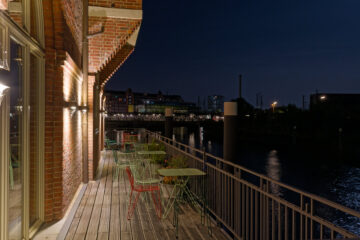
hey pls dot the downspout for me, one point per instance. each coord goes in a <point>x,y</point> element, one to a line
<point>85,67</point>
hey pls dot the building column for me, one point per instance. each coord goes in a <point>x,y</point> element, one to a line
<point>168,122</point>
<point>90,127</point>
<point>96,125</point>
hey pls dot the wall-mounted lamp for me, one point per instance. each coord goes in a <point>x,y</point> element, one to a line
<point>71,105</point>
<point>84,109</point>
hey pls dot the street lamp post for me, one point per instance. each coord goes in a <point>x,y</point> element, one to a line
<point>273,105</point>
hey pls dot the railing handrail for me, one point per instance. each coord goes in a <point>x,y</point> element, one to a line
<point>319,199</point>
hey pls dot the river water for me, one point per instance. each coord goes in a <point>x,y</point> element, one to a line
<point>338,182</point>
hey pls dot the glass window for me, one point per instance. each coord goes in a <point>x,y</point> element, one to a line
<point>14,81</point>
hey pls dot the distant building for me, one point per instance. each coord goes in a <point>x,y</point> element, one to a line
<point>216,103</point>
<point>347,105</point>
<point>136,102</point>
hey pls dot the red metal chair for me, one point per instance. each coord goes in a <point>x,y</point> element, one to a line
<point>143,186</point>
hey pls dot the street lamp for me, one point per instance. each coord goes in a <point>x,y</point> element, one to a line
<point>273,105</point>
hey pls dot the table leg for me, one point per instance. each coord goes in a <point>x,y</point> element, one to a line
<point>176,218</point>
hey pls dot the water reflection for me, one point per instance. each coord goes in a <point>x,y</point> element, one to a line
<point>209,146</point>
<point>340,185</point>
<point>346,188</point>
<point>273,170</point>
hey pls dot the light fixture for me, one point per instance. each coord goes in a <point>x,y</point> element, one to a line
<point>323,97</point>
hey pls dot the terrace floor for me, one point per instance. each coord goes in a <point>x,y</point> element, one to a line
<point>102,214</point>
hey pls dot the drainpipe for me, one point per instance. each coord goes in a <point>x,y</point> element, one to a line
<point>85,67</point>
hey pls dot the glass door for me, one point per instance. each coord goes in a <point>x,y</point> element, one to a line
<point>16,152</point>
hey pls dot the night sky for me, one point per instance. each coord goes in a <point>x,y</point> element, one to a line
<point>284,49</point>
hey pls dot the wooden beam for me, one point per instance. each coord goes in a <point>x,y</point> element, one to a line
<point>115,13</point>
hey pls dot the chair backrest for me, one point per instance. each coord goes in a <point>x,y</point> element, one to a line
<point>131,177</point>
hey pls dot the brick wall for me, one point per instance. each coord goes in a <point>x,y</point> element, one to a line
<point>72,132</point>
<point>73,10</point>
<point>63,125</point>
<point>63,151</point>
<point>129,4</point>
<point>17,17</point>
<point>115,63</point>
<point>102,47</point>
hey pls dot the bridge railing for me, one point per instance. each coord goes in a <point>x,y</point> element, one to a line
<point>253,206</point>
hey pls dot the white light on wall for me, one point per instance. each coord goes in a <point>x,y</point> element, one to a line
<point>2,89</point>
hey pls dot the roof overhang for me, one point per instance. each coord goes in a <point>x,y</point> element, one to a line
<point>134,14</point>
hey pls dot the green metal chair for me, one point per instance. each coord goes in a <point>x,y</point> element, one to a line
<point>121,163</point>
<point>109,143</point>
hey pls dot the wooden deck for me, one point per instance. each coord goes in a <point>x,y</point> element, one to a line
<point>103,208</point>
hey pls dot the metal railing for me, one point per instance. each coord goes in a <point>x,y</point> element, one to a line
<point>253,206</point>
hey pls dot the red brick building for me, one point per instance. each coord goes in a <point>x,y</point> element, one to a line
<point>56,57</point>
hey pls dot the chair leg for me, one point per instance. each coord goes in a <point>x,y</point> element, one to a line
<point>130,201</point>
<point>159,196</point>
<point>131,209</point>
<point>157,203</point>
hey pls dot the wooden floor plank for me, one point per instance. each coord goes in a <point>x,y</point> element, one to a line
<point>79,236</point>
<point>103,236</point>
<point>194,219</point>
<point>104,226</point>
<point>72,230</point>
<point>102,214</point>
<point>75,222</point>
<point>96,213</point>
<point>115,229</point>
<point>85,217</point>
<point>82,204</point>
<point>125,225</point>
<point>145,222</point>
<point>157,225</point>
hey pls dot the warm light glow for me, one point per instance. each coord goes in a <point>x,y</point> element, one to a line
<point>2,88</point>
<point>72,84</point>
<point>273,105</point>
<point>323,97</point>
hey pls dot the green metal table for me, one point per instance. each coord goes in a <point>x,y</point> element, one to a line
<point>180,188</point>
<point>151,152</point>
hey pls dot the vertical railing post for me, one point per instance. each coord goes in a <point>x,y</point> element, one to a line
<point>237,202</point>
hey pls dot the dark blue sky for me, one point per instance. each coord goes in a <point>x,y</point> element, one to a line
<point>283,49</point>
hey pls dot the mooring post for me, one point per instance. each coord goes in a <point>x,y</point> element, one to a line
<point>168,122</point>
<point>230,131</point>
